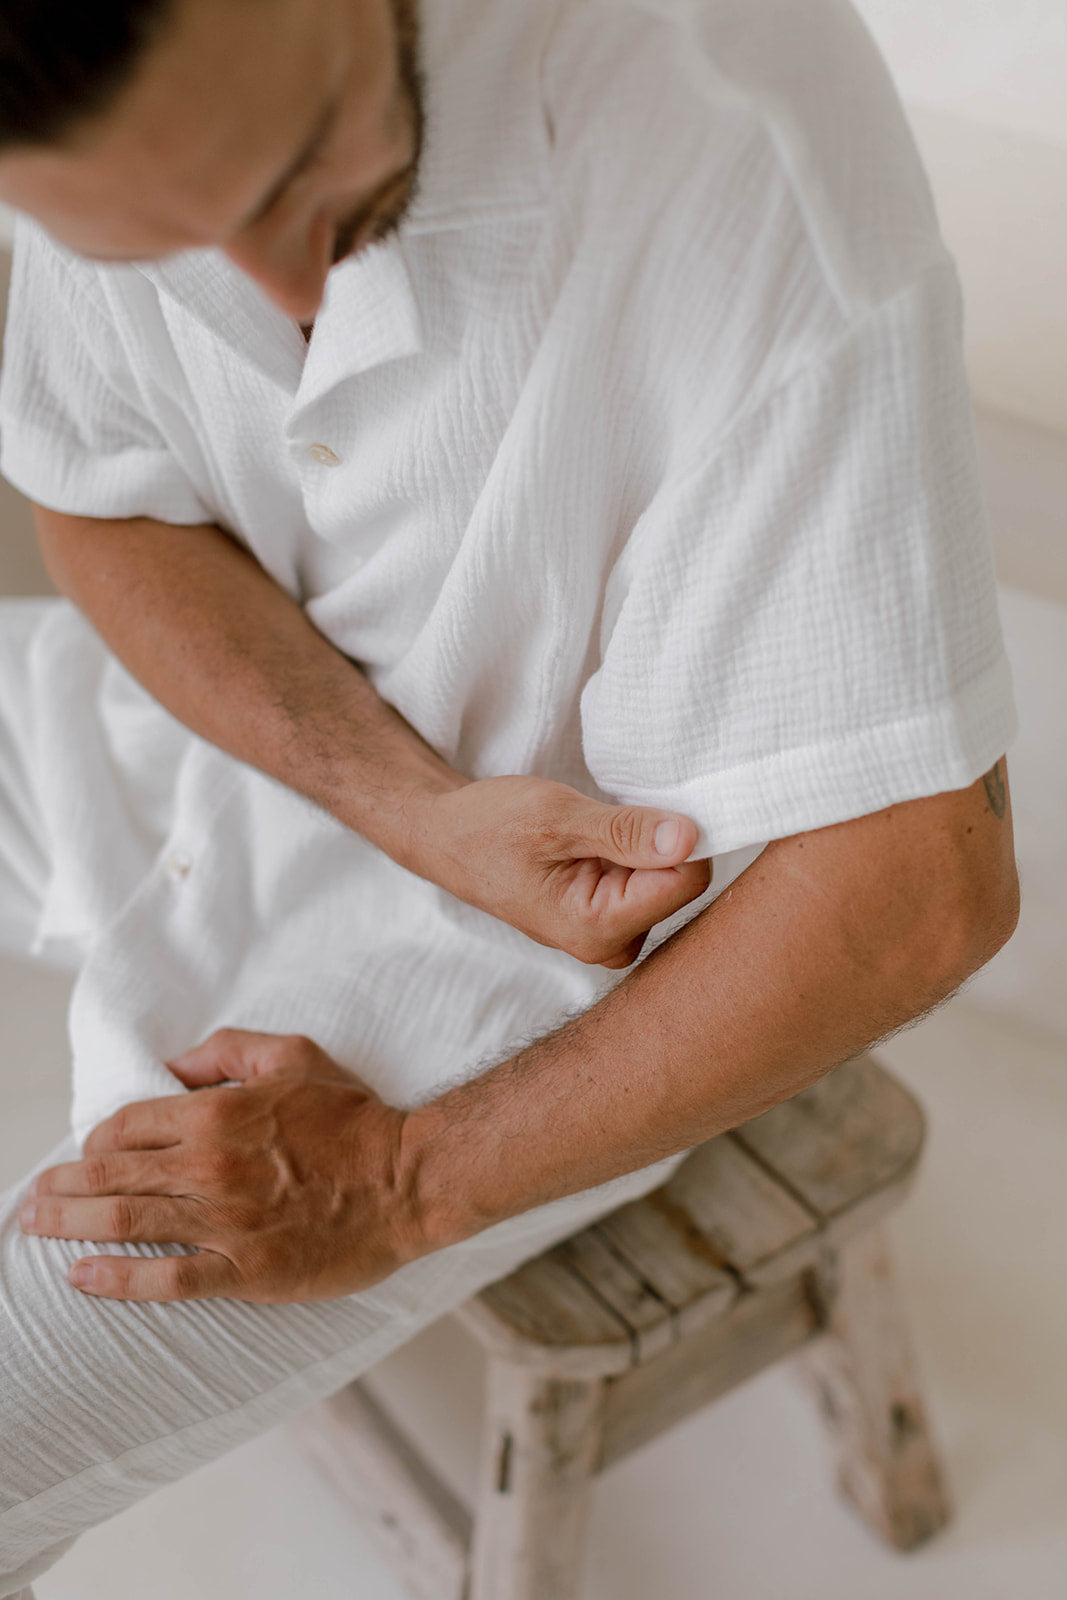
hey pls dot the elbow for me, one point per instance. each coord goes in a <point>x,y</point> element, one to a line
<point>969,924</point>
<point>997,917</point>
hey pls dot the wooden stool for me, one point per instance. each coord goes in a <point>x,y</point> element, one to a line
<point>766,1239</point>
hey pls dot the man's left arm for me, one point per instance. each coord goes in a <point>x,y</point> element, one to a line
<point>303,1185</point>
<point>830,941</point>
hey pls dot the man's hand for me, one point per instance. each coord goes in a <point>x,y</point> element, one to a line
<point>234,657</point>
<point>286,1185</point>
<point>570,872</point>
<point>300,1184</point>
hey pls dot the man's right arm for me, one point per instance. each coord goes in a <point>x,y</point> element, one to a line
<point>228,652</point>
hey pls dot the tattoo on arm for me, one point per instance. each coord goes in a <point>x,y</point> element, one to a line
<point>996,790</point>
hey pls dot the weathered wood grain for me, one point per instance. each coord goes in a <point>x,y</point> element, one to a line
<point>866,1383</point>
<point>852,1134</point>
<point>763,1326</point>
<point>669,1252</point>
<point>546,1313</point>
<point>614,1280</point>
<point>542,1437</point>
<point>753,1223</point>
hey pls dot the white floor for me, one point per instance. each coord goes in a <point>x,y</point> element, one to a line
<point>736,1503</point>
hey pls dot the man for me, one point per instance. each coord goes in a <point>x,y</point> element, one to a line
<point>553,463</point>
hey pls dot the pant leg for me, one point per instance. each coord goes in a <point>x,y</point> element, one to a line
<point>24,856</point>
<point>103,1401</point>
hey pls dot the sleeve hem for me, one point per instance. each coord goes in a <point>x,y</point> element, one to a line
<point>945,747</point>
<point>137,482</point>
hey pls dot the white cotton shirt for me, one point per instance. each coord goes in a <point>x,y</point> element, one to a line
<point>641,458</point>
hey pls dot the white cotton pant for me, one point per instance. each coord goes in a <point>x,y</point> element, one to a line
<point>103,1401</point>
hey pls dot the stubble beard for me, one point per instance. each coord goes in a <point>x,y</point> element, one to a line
<point>380,216</point>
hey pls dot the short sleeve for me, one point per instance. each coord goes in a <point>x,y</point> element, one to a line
<point>75,434</point>
<point>803,627</point>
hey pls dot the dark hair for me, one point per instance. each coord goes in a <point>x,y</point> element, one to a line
<point>62,60</point>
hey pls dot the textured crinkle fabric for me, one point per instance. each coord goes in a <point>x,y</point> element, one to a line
<point>104,1401</point>
<point>648,466</point>
<point>795,635</point>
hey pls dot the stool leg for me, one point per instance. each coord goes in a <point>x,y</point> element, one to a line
<point>542,1439</point>
<point>868,1392</point>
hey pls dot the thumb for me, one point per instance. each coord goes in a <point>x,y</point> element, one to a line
<point>632,836</point>
<point>231,1055</point>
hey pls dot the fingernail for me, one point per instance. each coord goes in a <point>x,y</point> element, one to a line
<point>81,1275</point>
<point>28,1214</point>
<point>665,838</point>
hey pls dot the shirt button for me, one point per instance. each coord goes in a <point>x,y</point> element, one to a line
<point>177,866</point>
<point>323,455</point>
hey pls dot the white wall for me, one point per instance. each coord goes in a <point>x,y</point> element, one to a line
<point>985,82</point>
<point>1002,63</point>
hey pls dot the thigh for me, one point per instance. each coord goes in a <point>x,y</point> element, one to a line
<point>103,1401</point>
<point>24,852</point>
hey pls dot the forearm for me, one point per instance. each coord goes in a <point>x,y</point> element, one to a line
<point>229,653</point>
<point>831,939</point>
<point>816,952</point>
<point>201,625</point>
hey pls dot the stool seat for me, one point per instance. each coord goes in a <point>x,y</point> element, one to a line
<point>746,1210</point>
<point>764,1241</point>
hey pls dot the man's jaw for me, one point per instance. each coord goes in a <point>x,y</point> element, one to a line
<point>378,217</point>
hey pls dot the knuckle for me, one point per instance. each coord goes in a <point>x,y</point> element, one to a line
<point>179,1277</point>
<point>120,1218</point>
<point>276,1052</point>
<point>118,1125</point>
<point>300,1051</point>
<point>625,829</point>
<point>96,1173</point>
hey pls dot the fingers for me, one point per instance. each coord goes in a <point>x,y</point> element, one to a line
<point>143,1125</point>
<point>196,1277</point>
<point>233,1055</point>
<point>118,1219</point>
<point>632,836</point>
<point>618,907</point>
<point>649,897</point>
<point>118,1172</point>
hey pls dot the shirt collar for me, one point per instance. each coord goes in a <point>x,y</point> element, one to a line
<point>485,158</point>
